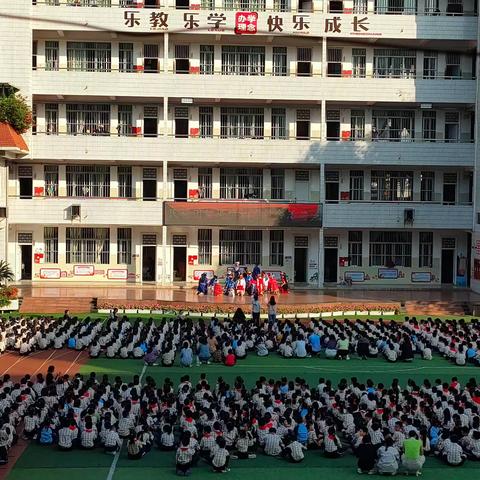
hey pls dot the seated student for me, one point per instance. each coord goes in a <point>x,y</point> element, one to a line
<point>241,349</point>
<point>332,444</point>
<point>300,347</point>
<point>47,434</point>
<point>186,355</point>
<point>31,423</point>
<point>366,453</point>
<point>343,347</point>
<point>331,347</point>
<point>452,453</point>
<point>413,458</point>
<point>230,359</point>
<point>388,458</point>
<point>88,436</point>
<point>135,447</point>
<point>273,444</point>
<point>112,440</point>
<point>94,350</point>
<point>166,442</point>
<point>262,350</point>
<point>168,355</point>
<point>151,357</point>
<point>243,444</point>
<point>184,457</point>
<point>293,452</point>
<point>220,457</point>
<point>286,349</point>
<point>390,353</point>
<point>427,353</point>
<point>67,436</point>
<point>203,351</point>
<point>207,442</point>
<point>474,446</point>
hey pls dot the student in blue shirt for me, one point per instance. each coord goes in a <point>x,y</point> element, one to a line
<point>315,344</point>
<point>302,431</point>
<point>186,355</point>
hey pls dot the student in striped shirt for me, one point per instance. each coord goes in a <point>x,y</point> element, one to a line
<point>112,441</point>
<point>293,452</point>
<point>220,456</point>
<point>184,457</point>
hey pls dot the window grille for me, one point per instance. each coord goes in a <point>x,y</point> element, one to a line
<point>207,57</point>
<point>278,183</point>
<point>51,55</point>
<point>280,65</point>
<point>124,246</point>
<point>125,183</point>
<point>355,245</point>
<point>205,182</point>
<point>243,60</point>
<point>125,57</point>
<point>276,247</point>
<point>89,56</point>
<point>88,181</point>
<point>279,124</point>
<point>51,180</point>
<point>425,253</point>
<point>244,246</point>
<point>88,119</point>
<point>390,248</point>
<point>391,185</point>
<point>242,122</point>
<point>241,183</point>
<point>50,240</point>
<point>204,246</point>
<point>206,122</point>
<point>88,245</point>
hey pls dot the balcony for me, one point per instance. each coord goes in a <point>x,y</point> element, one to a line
<point>93,211</point>
<point>246,213</point>
<point>133,20</point>
<point>392,215</point>
<point>75,85</point>
<point>242,151</point>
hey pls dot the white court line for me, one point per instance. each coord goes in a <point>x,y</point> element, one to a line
<point>44,362</point>
<point>113,466</point>
<point>73,362</point>
<point>21,359</point>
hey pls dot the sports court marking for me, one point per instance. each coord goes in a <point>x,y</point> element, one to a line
<point>113,466</point>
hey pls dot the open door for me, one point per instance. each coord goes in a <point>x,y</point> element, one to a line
<point>300,265</point>
<point>26,273</point>
<point>179,264</point>
<point>448,256</point>
<point>149,254</point>
<point>330,267</point>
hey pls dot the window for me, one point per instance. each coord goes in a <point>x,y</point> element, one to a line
<point>304,62</point>
<point>359,62</point>
<point>51,55</point>
<point>88,245</point>
<point>278,183</point>
<point>207,59</point>
<point>34,119</point>
<point>280,5</point>
<point>125,120</point>
<point>452,68</point>
<point>407,7</point>
<point>429,126</point>
<point>124,246</point>
<point>360,6</point>
<point>51,118</point>
<point>452,127</point>
<point>88,181</point>
<point>430,60</point>
<point>356,185</point>
<point>391,186</point>
<point>50,240</point>
<point>427,186</point>
<point>279,61</point>
<point>125,182</point>
<point>244,5</point>
<point>241,122</point>
<point>88,119</point>
<point>125,57</point>
<point>334,62</point>
<point>355,240</point>
<point>357,125</point>
<point>89,56</point>
<point>394,63</point>
<point>243,60</point>
<point>241,183</point>
<point>425,249</point>
<point>390,249</point>
<point>204,246</point>
<point>34,54</point>
<point>51,180</point>
<point>393,125</point>
<point>279,124</point>
<point>244,246</point>
<point>205,182</point>
<point>206,122</point>
<point>276,247</point>
<point>207,4</point>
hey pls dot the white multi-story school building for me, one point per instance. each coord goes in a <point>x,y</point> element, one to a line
<point>327,139</point>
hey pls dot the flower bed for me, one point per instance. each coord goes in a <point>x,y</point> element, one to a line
<point>334,309</point>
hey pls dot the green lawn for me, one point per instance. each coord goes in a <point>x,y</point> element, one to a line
<point>43,463</point>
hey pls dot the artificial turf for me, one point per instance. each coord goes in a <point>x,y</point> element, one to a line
<point>45,463</point>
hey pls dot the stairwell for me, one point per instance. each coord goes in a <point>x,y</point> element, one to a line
<point>56,305</point>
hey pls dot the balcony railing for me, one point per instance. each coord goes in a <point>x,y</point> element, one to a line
<point>260,6</point>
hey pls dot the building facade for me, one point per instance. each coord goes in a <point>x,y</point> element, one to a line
<point>332,140</point>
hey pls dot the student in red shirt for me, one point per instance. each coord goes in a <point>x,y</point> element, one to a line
<point>230,359</point>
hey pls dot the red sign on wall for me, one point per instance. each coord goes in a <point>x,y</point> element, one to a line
<point>246,23</point>
<point>192,259</point>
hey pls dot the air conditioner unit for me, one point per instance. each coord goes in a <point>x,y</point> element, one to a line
<point>75,212</point>
<point>408,216</point>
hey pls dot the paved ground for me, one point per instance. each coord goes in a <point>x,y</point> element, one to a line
<point>297,296</point>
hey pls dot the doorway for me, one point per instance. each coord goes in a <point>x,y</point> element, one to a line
<point>150,56</point>
<point>300,265</point>
<point>26,273</point>
<point>150,121</point>
<point>180,190</point>
<point>447,266</point>
<point>333,131</point>
<point>26,187</point>
<point>330,267</point>
<point>335,6</point>
<point>179,264</point>
<point>149,184</point>
<point>181,122</point>
<point>182,4</point>
<point>150,3</point>
<point>449,188</point>
<point>149,254</point>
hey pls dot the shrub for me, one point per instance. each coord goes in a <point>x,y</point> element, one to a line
<point>15,111</point>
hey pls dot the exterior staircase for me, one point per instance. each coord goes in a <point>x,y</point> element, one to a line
<point>56,305</point>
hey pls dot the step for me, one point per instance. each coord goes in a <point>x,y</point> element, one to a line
<point>55,305</point>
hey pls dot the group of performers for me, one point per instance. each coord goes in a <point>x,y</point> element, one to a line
<point>243,282</point>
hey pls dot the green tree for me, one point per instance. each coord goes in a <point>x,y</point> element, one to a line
<point>15,111</point>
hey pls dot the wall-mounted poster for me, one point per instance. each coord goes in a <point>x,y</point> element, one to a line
<point>388,273</point>
<point>83,270</point>
<point>421,277</point>
<point>50,273</point>
<point>117,273</point>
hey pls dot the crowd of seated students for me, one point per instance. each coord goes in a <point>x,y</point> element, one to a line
<point>204,341</point>
<point>388,427</point>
